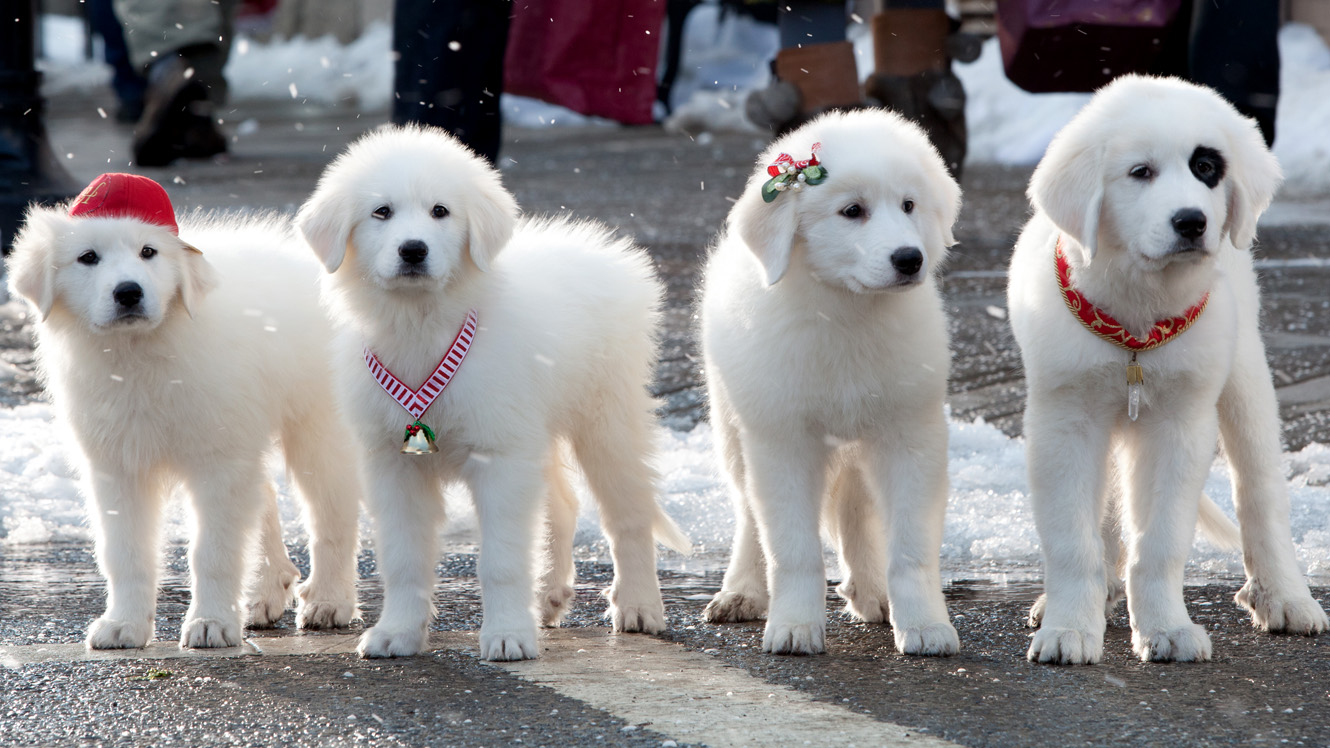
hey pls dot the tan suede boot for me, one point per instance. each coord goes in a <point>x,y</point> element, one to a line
<point>912,75</point>
<point>809,80</point>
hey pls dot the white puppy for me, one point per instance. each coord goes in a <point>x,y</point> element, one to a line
<point>174,367</point>
<point>563,351</point>
<point>1152,192</point>
<point>826,362</point>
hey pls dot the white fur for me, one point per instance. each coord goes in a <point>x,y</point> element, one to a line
<point>564,352</point>
<point>827,373</point>
<point>1087,460</point>
<point>163,398</point>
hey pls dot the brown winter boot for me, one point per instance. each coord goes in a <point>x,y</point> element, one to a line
<point>808,80</point>
<point>912,75</point>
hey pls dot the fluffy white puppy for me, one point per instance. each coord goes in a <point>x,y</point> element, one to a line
<point>174,367</point>
<point>826,362</point>
<point>1152,192</point>
<point>417,232</point>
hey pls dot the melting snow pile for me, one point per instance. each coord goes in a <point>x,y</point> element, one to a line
<point>989,525</point>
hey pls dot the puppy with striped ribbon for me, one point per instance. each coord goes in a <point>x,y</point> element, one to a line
<point>480,349</point>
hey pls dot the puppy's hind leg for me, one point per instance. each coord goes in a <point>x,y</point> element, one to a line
<point>555,595</point>
<point>1275,592</point>
<point>743,593</point>
<point>275,576</point>
<point>326,473</point>
<point>126,518</point>
<point>613,446</point>
<point>857,528</point>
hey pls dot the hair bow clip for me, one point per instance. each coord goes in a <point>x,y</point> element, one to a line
<point>788,174</point>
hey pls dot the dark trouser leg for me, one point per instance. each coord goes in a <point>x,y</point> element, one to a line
<point>458,88</point>
<point>1234,49</point>
<point>130,86</point>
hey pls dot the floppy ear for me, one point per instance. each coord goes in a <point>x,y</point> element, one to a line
<point>767,228</point>
<point>949,204</point>
<point>197,278</point>
<point>1254,176</point>
<point>31,264</point>
<point>491,216</point>
<point>325,220</point>
<point>1068,187</point>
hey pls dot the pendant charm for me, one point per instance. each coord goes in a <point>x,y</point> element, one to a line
<point>419,440</point>
<point>1135,383</point>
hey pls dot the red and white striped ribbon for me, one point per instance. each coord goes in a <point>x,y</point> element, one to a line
<point>418,401</point>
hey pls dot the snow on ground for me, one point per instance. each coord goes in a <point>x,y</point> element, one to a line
<point>989,526</point>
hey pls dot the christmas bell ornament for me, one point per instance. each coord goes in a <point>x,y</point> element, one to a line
<point>419,440</point>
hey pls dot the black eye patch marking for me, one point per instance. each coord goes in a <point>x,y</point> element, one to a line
<point>1207,165</point>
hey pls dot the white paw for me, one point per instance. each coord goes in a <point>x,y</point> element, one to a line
<point>208,633</point>
<point>326,606</point>
<point>1295,612</point>
<point>503,646</point>
<point>325,614</point>
<point>106,633</point>
<point>555,602</point>
<point>734,607</point>
<point>1188,643</point>
<point>864,603</point>
<point>270,598</point>
<point>931,640</point>
<point>1066,647</point>
<point>384,641</point>
<point>795,638</point>
<point>648,618</point>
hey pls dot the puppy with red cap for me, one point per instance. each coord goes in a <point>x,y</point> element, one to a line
<point>175,353</point>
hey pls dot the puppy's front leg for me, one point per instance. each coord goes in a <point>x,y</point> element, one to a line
<point>1167,459</point>
<point>786,475</point>
<point>1067,453</point>
<point>228,501</point>
<point>406,502</point>
<point>743,593</point>
<point>1276,592</point>
<point>126,516</point>
<point>506,490</point>
<point>910,472</point>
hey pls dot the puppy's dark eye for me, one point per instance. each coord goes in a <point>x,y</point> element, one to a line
<point>1207,165</point>
<point>1142,172</point>
<point>853,210</point>
<point>383,212</point>
<point>908,206</point>
<point>147,253</point>
<point>439,211</point>
<point>88,258</point>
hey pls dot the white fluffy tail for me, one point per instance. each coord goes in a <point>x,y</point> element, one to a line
<point>668,534</point>
<point>1217,526</point>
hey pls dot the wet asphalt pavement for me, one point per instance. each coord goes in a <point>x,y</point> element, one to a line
<point>670,193</point>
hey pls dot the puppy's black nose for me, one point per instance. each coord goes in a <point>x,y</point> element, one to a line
<point>413,251</point>
<point>907,260</point>
<point>127,294</point>
<point>1189,223</point>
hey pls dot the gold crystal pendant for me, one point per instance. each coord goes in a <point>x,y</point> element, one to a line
<point>419,440</point>
<point>1135,383</point>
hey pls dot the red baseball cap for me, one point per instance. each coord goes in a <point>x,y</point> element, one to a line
<point>126,196</point>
